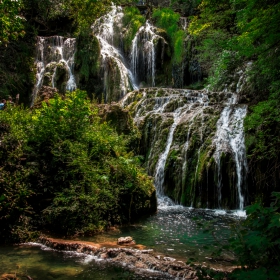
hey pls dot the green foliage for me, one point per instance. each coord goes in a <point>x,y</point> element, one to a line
<point>76,16</point>
<point>133,20</point>
<point>229,33</point>
<point>11,21</point>
<point>257,242</point>
<point>64,170</point>
<point>264,124</point>
<point>87,56</point>
<point>213,30</point>
<point>168,20</point>
<point>254,243</point>
<point>84,12</point>
<point>187,7</point>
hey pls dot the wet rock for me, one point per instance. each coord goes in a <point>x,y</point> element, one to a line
<point>126,241</point>
<point>191,170</point>
<point>117,116</point>
<point>44,94</point>
<point>141,262</point>
<point>104,256</point>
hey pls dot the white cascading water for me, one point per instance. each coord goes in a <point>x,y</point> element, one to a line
<point>103,29</point>
<point>230,138</point>
<point>50,52</point>
<point>178,114</point>
<point>192,108</point>
<point>146,38</point>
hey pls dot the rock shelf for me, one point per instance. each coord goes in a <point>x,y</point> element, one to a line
<point>136,258</point>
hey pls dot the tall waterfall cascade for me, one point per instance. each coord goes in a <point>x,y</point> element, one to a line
<point>55,63</point>
<point>143,52</point>
<point>193,142</point>
<point>107,29</point>
<point>230,136</point>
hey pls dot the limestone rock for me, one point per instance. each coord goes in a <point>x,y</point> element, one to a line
<point>44,94</point>
<point>128,240</point>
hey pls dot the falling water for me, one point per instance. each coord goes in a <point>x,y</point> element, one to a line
<point>104,30</point>
<point>51,52</point>
<point>194,142</point>
<point>230,138</point>
<point>178,114</point>
<point>184,23</point>
<point>143,51</point>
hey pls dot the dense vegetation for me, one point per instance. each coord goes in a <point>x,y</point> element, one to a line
<point>167,19</point>
<point>254,244</point>
<point>64,170</point>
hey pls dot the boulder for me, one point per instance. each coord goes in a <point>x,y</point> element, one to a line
<point>44,94</point>
<point>128,240</point>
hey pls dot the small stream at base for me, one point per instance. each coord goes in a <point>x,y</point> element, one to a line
<point>173,232</point>
<point>48,264</point>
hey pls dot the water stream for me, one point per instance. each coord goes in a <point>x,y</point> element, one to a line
<point>105,30</point>
<point>54,52</point>
<point>41,263</point>
<point>230,137</point>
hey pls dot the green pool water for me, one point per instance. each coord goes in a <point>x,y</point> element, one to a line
<point>173,231</point>
<point>41,263</point>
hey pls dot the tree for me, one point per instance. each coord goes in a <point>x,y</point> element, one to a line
<point>11,20</point>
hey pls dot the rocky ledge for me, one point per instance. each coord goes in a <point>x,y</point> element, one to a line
<point>141,261</point>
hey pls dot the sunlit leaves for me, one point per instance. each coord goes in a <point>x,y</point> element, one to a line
<point>11,21</point>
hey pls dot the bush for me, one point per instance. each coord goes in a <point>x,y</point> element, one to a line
<point>65,171</point>
<point>257,242</point>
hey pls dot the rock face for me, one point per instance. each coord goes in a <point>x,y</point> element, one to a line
<point>143,262</point>
<point>193,144</point>
<point>119,118</point>
<point>44,94</point>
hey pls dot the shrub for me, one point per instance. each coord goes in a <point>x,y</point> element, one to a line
<point>64,170</point>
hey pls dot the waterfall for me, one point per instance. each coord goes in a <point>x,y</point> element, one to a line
<point>230,138</point>
<point>104,29</point>
<point>143,51</point>
<point>184,137</point>
<point>53,53</point>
